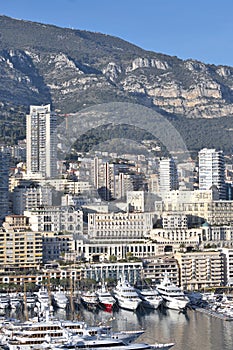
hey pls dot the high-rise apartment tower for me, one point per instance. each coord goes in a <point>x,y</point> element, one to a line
<point>41,141</point>
<point>212,170</point>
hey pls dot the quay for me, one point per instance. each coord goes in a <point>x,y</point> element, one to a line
<point>214,314</point>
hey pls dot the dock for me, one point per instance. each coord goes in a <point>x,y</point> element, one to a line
<point>216,314</point>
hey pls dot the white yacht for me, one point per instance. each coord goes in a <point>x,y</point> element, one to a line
<point>15,302</point>
<point>106,344</point>
<point>32,335</point>
<point>53,333</point>
<point>44,299</point>
<point>82,329</point>
<point>150,297</point>
<point>106,300</point>
<point>126,295</point>
<point>89,299</point>
<point>4,301</point>
<point>173,296</point>
<point>60,299</point>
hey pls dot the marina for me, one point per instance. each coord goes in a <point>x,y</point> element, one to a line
<point>149,326</point>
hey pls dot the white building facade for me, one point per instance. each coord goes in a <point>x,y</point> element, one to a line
<point>212,171</point>
<point>41,141</point>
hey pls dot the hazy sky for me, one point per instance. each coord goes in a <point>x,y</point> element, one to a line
<point>199,29</point>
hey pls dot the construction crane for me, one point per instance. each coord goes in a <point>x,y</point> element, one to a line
<point>66,116</point>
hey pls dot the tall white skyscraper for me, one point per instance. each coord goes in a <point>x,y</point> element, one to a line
<point>41,141</point>
<point>4,185</point>
<point>168,175</point>
<point>212,171</point>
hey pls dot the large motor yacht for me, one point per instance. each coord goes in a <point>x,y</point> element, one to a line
<point>150,297</point>
<point>106,344</point>
<point>106,300</point>
<point>126,295</point>
<point>173,296</point>
<point>89,299</point>
<point>60,299</point>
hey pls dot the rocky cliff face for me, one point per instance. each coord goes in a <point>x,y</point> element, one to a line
<point>71,69</point>
<point>40,62</point>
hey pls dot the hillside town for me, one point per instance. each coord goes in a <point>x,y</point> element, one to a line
<point>106,214</point>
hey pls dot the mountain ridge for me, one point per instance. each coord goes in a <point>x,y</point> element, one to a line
<point>71,68</point>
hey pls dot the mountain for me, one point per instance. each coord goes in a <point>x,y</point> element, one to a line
<point>73,69</point>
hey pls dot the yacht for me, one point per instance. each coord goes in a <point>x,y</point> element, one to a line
<point>106,300</point>
<point>89,299</point>
<point>60,299</point>
<point>150,297</point>
<point>173,296</point>
<point>15,302</point>
<point>43,299</point>
<point>126,295</point>
<point>4,301</point>
<point>31,335</point>
<point>106,344</point>
<point>82,329</point>
<point>50,333</point>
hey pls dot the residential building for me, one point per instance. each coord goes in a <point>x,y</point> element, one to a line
<point>199,270</point>
<point>228,266</point>
<point>198,205</point>
<point>135,201</point>
<point>155,269</point>
<point>41,141</point>
<point>168,175</point>
<point>56,245</point>
<point>20,247</point>
<point>4,185</point>
<point>29,196</point>
<point>212,171</point>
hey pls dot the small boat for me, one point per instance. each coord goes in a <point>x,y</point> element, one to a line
<point>126,295</point>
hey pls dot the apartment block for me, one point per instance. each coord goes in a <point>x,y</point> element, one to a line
<point>155,269</point>
<point>228,266</point>
<point>20,247</point>
<point>199,270</point>
<point>41,141</point>
<point>212,171</point>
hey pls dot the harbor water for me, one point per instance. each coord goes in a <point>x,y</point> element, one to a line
<point>189,331</point>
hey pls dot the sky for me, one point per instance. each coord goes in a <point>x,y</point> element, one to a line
<point>197,29</point>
